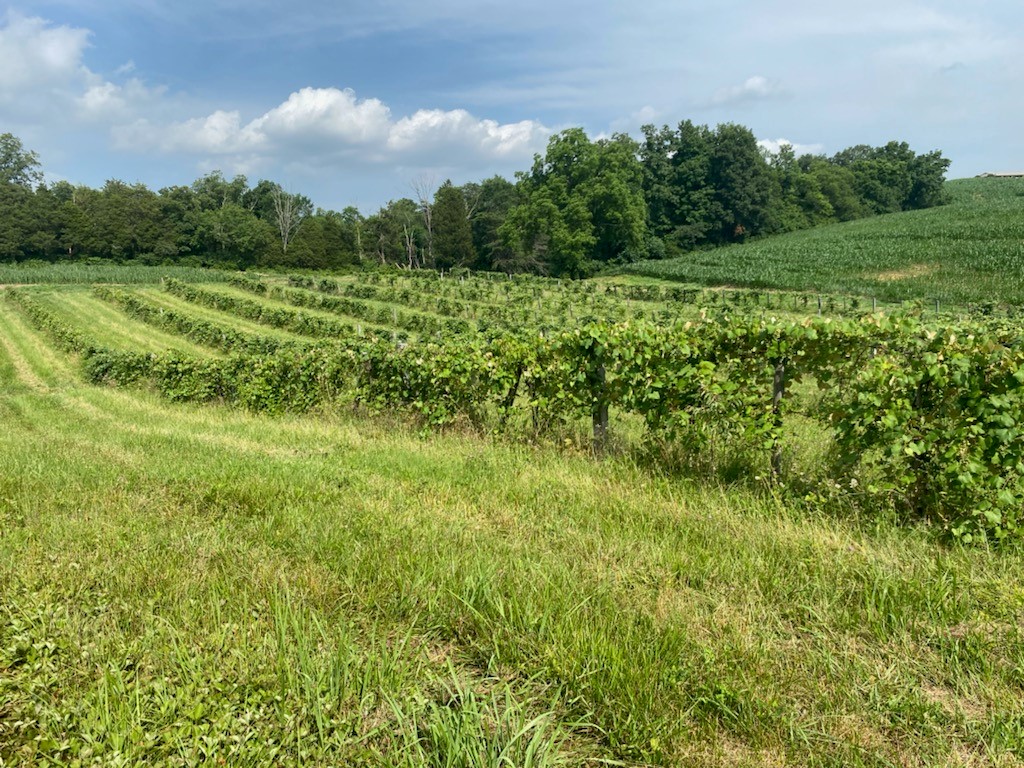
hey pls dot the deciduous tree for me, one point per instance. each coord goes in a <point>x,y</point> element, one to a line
<point>17,164</point>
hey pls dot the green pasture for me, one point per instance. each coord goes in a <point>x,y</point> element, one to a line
<point>968,252</point>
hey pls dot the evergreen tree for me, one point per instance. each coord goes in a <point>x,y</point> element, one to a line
<point>453,236</point>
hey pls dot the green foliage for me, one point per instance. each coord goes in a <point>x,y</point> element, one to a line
<point>97,271</point>
<point>18,225</point>
<point>381,315</point>
<point>935,415</point>
<point>742,181</point>
<point>196,329</point>
<point>453,235</point>
<point>326,240</point>
<point>489,203</point>
<point>396,234</point>
<point>582,205</point>
<point>18,165</point>
<point>925,419</point>
<point>892,178</point>
<point>712,187</point>
<point>234,235</point>
<point>66,337</point>
<point>968,252</point>
<point>677,166</point>
<point>289,320</point>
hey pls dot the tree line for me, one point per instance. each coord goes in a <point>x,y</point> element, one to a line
<point>585,204</point>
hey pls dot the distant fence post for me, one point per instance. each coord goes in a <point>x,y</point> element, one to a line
<point>778,390</point>
<point>600,414</point>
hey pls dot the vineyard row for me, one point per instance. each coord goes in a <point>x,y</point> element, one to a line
<point>922,419</point>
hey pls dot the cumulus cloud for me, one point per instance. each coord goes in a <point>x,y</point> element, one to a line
<point>753,88</point>
<point>221,132</point>
<point>772,146</point>
<point>435,129</point>
<point>104,101</point>
<point>35,54</point>
<point>332,121</point>
<point>42,74</point>
<point>326,113</point>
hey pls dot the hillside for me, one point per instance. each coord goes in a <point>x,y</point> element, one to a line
<point>971,250</point>
<point>186,583</point>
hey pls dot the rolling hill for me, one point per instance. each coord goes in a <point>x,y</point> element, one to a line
<point>969,251</point>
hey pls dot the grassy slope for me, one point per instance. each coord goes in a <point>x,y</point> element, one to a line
<point>190,584</point>
<point>161,298</point>
<point>108,325</point>
<point>969,251</point>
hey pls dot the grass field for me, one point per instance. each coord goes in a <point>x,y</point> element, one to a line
<point>109,326</point>
<point>970,251</point>
<point>162,299</point>
<point>184,584</point>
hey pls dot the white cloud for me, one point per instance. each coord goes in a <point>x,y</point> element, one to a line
<point>221,132</point>
<point>435,129</point>
<point>34,54</point>
<point>326,113</point>
<point>772,146</point>
<point>312,126</point>
<point>42,75</point>
<point>753,88</point>
<point>329,122</point>
<point>101,100</point>
<point>107,102</point>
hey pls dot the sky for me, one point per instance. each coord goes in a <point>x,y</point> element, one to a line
<point>360,103</point>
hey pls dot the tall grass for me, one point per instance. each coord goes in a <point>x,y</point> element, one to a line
<point>91,273</point>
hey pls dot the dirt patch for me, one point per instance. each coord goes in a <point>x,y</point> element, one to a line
<point>906,273</point>
<point>952,704</point>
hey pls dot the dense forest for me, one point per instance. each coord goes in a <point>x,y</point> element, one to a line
<point>584,204</point>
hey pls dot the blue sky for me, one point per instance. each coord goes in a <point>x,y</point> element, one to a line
<point>355,103</point>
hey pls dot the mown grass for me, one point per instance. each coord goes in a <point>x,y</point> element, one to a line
<point>109,326</point>
<point>970,251</point>
<point>275,303</point>
<point>184,585</point>
<point>161,298</point>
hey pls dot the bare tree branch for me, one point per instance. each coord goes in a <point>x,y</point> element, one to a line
<point>424,186</point>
